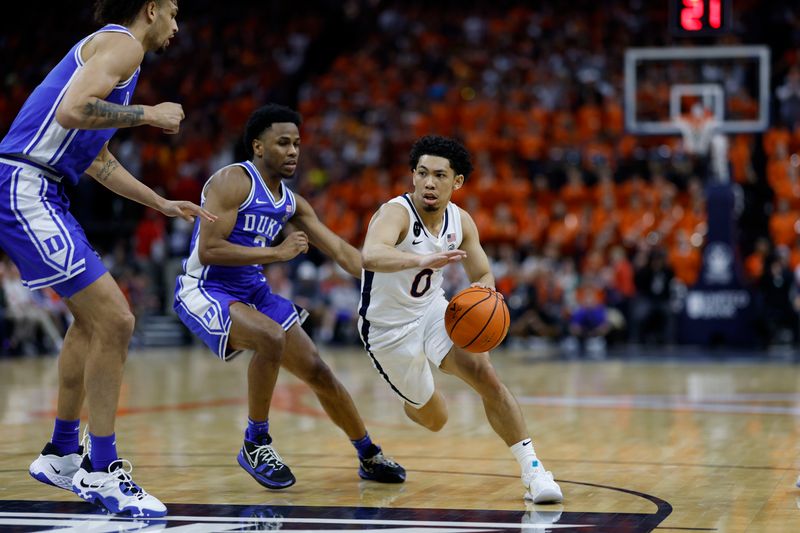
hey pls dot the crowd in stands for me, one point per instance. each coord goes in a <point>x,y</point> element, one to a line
<point>594,234</point>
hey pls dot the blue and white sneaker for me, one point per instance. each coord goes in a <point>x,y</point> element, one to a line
<point>265,465</point>
<point>115,490</point>
<point>54,468</point>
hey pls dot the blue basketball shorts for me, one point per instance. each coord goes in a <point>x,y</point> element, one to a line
<point>204,307</point>
<point>40,235</point>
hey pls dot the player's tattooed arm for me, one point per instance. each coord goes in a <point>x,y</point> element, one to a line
<point>104,114</point>
<point>104,166</point>
<point>86,104</point>
<point>107,169</point>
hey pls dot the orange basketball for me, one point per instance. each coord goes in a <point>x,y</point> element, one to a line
<point>477,319</point>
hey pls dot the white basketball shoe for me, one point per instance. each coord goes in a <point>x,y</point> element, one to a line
<point>55,469</point>
<point>541,488</point>
<point>115,490</point>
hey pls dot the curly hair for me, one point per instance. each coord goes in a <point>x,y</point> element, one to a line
<point>265,117</point>
<point>450,149</point>
<point>120,11</point>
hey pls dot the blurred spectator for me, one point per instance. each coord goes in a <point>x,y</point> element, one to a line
<point>776,308</point>
<point>620,286</point>
<point>651,315</point>
<point>788,95</point>
<point>149,236</point>
<point>784,224</point>
<point>306,295</point>
<point>340,316</point>
<point>31,314</point>
<point>589,324</point>
<point>535,306</point>
<point>754,263</point>
<point>685,259</point>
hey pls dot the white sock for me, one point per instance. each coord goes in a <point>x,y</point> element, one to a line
<point>526,456</point>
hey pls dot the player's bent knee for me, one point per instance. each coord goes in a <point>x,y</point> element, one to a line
<point>319,376</point>
<point>490,383</point>
<point>270,340</point>
<point>436,424</point>
<point>431,417</point>
<point>117,325</point>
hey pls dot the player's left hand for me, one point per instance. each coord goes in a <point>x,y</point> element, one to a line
<point>186,210</point>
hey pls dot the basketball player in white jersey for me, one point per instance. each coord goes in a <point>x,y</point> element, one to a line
<point>409,240</point>
<point>224,298</point>
<point>62,132</point>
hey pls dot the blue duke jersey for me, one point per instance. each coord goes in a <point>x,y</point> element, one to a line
<point>395,298</point>
<point>37,138</point>
<point>261,217</point>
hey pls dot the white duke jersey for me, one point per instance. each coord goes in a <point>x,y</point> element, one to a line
<point>394,298</point>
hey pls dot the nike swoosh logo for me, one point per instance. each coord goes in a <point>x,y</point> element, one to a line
<point>84,485</point>
<point>250,460</point>
<point>526,442</point>
<point>259,202</point>
<point>416,242</point>
<point>56,470</point>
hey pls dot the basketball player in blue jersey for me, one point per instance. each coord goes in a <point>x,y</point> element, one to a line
<point>223,296</point>
<point>409,240</point>
<point>60,133</point>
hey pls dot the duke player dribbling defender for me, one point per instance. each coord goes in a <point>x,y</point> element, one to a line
<point>409,240</point>
<point>223,296</point>
<point>60,133</point>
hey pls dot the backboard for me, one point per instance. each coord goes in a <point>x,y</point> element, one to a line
<point>662,83</point>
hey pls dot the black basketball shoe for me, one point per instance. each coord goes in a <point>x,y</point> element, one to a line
<point>265,465</point>
<point>380,468</point>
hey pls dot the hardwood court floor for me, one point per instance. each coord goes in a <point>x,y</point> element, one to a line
<point>684,446</point>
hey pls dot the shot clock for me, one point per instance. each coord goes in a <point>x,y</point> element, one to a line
<point>700,17</point>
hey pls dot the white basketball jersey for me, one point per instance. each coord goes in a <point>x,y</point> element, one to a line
<point>394,298</point>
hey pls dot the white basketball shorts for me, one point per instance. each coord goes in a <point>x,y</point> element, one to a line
<point>401,353</point>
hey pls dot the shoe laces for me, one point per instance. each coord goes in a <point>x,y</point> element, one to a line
<point>268,455</point>
<point>530,477</point>
<point>121,474</point>
<point>380,459</point>
<point>86,442</point>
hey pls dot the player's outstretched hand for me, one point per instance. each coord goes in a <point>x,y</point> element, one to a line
<point>441,259</point>
<point>294,244</point>
<point>186,210</point>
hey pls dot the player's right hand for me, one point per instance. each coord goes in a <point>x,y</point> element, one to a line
<point>168,117</point>
<point>439,260</point>
<point>294,244</point>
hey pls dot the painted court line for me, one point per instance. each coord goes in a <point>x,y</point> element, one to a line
<point>68,519</point>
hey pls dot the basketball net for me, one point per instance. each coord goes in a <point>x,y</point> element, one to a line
<point>696,129</point>
<point>701,140</point>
